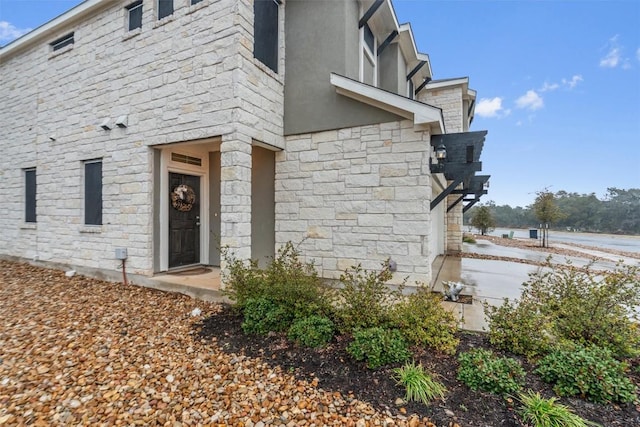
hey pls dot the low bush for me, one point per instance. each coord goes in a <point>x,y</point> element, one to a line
<point>423,320</point>
<point>379,347</point>
<point>262,316</point>
<point>481,370</point>
<point>468,238</point>
<point>561,304</point>
<point>536,411</point>
<point>419,384</point>
<point>591,373</point>
<point>312,331</point>
<point>286,281</point>
<point>364,299</point>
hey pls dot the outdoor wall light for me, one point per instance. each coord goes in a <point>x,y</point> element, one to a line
<point>121,121</point>
<point>105,124</point>
<point>441,157</point>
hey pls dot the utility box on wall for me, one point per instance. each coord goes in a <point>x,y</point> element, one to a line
<point>121,253</point>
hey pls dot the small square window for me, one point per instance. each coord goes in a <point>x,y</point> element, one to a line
<point>135,15</point>
<point>62,42</point>
<point>165,8</point>
<point>30,195</point>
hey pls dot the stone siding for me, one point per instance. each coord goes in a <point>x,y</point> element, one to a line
<point>357,195</point>
<point>187,77</point>
<point>451,102</point>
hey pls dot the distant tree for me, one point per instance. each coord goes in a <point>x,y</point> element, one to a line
<point>482,219</point>
<point>547,212</point>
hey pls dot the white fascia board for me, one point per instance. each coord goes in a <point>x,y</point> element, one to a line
<point>421,114</point>
<point>464,81</point>
<point>472,94</point>
<point>50,27</point>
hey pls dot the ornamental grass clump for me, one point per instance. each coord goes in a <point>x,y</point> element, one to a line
<point>536,411</point>
<point>419,384</point>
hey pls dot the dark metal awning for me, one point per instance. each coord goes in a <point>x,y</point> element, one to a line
<point>461,164</point>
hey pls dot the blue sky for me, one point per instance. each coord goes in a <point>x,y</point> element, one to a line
<point>558,84</point>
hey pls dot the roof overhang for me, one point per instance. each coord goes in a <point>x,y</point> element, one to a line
<point>461,164</point>
<point>424,116</point>
<point>468,94</point>
<point>51,28</point>
<point>381,15</point>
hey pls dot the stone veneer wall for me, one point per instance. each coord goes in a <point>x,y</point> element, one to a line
<point>450,100</point>
<point>190,76</point>
<point>357,195</point>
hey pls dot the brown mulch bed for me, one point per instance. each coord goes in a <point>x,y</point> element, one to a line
<point>336,371</point>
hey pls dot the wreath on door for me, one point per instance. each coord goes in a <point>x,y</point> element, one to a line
<point>182,198</point>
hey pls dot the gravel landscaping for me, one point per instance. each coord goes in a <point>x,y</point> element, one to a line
<point>79,351</point>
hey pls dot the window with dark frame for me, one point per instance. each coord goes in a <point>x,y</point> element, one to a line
<point>30,195</point>
<point>265,31</point>
<point>62,42</point>
<point>93,192</point>
<point>135,15</point>
<point>165,8</point>
<point>195,2</point>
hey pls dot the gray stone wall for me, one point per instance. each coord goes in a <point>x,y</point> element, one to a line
<point>357,195</point>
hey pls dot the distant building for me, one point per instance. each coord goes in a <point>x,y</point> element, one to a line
<point>174,127</point>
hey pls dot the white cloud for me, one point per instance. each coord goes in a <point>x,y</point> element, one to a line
<point>638,54</point>
<point>615,55</point>
<point>9,32</point>
<point>573,82</point>
<point>547,87</point>
<point>530,100</point>
<point>612,59</point>
<point>491,108</point>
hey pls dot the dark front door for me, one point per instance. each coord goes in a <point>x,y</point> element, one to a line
<point>184,219</point>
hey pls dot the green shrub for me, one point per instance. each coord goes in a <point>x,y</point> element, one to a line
<point>286,281</point>
<point>520,328</point>
<point>364,299</point>
<point>481,370</point>
<point>568,304</point>
<point>591,373</point>
<point>468,238</point>
<point>419,385</point>
<point>379,346</point>
<point>423,320</point>
<point>537,411</point>
<point>262,316</point>
<point>312,331</point>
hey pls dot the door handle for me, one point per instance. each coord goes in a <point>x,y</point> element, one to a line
<point>197,220</point>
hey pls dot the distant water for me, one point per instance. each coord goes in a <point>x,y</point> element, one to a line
<point>607,241</point>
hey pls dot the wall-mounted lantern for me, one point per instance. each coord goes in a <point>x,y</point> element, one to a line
<point>441,157</point>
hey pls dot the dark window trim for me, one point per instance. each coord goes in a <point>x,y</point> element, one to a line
<point>265,42</point>
<point>131,9</point>
<point>92,192</point>
<point>66,40</point>
<point>30,191</point>
<point>165,11</point>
